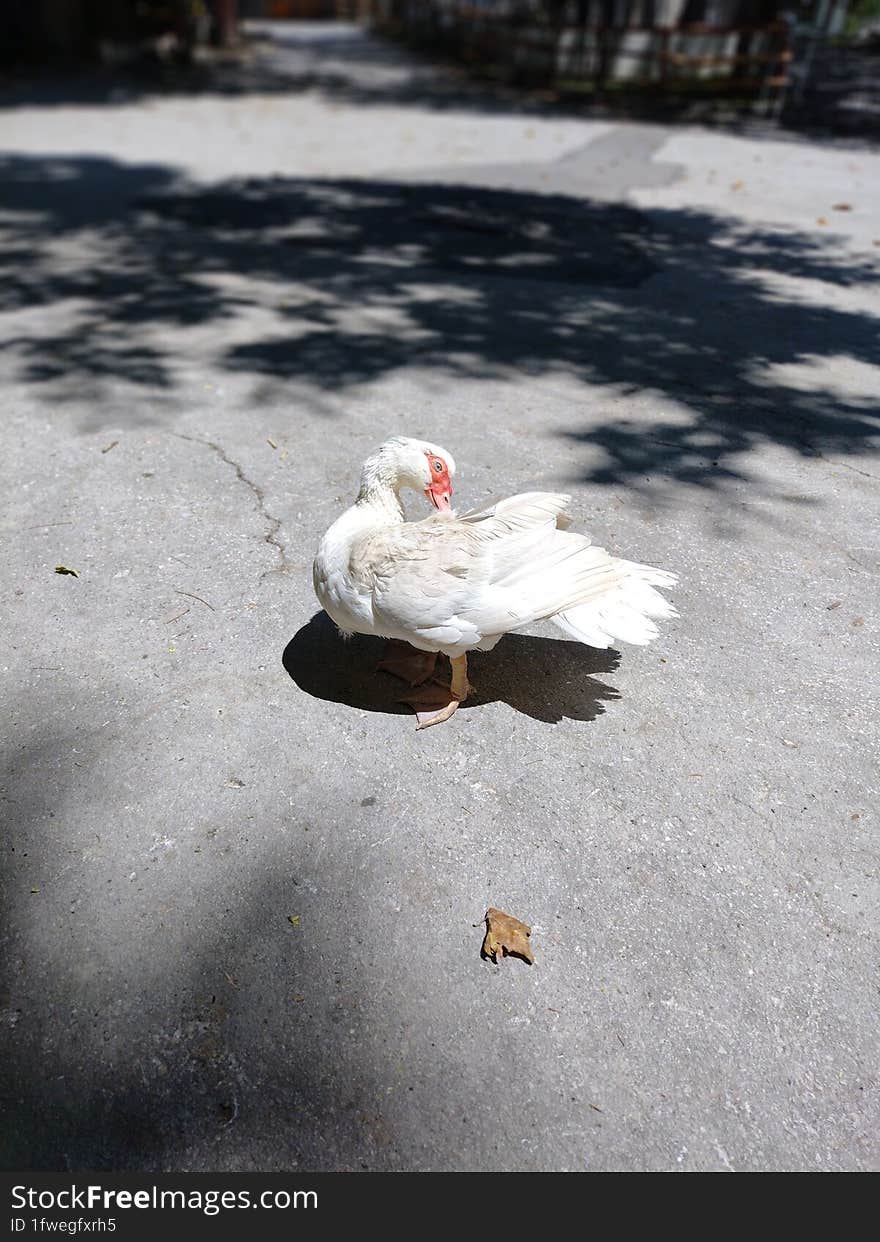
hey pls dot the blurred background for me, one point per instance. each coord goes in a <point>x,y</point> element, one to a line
<point>805,60</point>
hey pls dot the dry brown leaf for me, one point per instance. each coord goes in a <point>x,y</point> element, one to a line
<point>842,207</point>
<point>822,221</point>
<point>63,569</point>
<point>506,937</point>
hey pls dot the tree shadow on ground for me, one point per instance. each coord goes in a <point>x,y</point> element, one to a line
<point>121,277</point>
<point>137,1049</point>
<point>160,1013</point>
<point>544,678</point>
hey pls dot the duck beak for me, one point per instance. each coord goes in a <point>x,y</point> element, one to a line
<point>440,495</point>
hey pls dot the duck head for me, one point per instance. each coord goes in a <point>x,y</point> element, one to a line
<point>402,462</point>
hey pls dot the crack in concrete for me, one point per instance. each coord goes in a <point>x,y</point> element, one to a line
<point>844,465</point>
<point>273,523</point>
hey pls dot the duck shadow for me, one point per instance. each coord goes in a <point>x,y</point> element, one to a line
<point>547,679</point>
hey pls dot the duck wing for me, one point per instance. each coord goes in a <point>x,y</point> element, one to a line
<point>461,582</point>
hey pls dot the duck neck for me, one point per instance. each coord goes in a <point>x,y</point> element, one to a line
<point>382,498</point>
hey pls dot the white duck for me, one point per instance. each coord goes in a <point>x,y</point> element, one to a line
<point>454,583</point>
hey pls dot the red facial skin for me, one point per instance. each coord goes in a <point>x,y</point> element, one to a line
<point>440,491</point>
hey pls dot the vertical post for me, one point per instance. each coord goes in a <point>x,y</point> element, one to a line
<point>784,65</point>
<point>665,39</point>
<point>226,18</point>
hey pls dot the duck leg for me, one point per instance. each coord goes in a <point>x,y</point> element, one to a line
<point>435,702</point>
<point>409,664</point>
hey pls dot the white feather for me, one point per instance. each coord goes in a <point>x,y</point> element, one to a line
<point>452,583</point>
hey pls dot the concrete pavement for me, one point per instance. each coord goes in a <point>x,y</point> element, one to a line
<point>239,890</point>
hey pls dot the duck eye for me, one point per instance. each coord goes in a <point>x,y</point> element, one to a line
<point>438,466</point>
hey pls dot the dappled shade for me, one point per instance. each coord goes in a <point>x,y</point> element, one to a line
<point>134,272</point>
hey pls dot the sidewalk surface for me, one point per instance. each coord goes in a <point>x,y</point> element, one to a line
<point>240,891</point>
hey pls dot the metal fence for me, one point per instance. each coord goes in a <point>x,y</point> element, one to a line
<point>601,46</point>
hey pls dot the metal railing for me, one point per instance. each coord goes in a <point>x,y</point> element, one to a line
<point>539,45</point>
